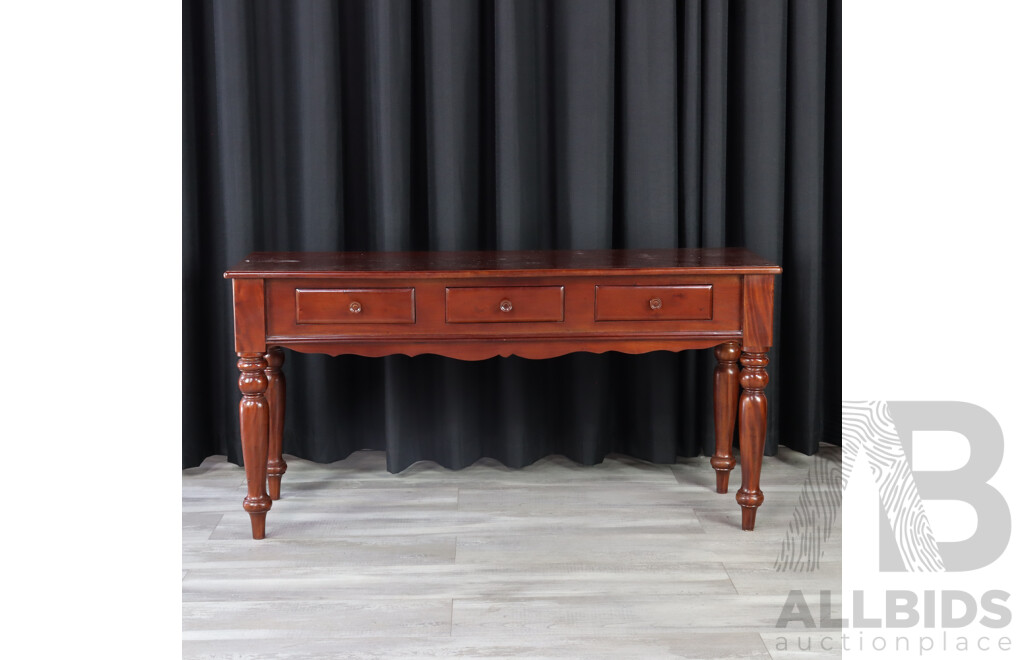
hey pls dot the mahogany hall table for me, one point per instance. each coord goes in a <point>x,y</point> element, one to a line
<point>478,305</point>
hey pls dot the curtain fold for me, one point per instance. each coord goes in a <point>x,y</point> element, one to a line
<point>511,124</point>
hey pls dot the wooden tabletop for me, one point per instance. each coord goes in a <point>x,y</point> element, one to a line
<point>739,261</point>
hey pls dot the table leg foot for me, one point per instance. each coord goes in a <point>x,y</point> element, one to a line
<point>259,524</point>
<point>749,513</point>
<point>749,500</point>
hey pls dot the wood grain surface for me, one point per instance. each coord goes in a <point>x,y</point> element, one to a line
<point>494,263</point>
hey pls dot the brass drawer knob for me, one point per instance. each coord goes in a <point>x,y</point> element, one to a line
<point>505,306</point>
<point>355,307</point>
<point>655,303</point>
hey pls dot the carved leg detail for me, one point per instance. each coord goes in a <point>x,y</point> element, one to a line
<point>727,388</point>
<point>753,416</point>
<point>276,466</point>
<point>253,418</point>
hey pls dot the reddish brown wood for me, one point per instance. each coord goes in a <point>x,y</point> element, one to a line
<point>753,415</point>
<point>478,305</point>
<point>668,261</point>
<point>504,304</point>
<point>355,305</point>
<point>275,396</point>
<point>726,394</point>
<point>250,316</point>
<point>687,302</point>
<point>253,418</point>
<point>758,301</point>
<point>578,322</point>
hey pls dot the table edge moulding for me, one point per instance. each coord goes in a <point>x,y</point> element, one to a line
<point>478,305</point>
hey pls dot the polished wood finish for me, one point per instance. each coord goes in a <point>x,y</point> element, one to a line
<point>753,414</point>
<point>436,331</point>
<point>758,303</point>
<point>686,302</point>
<point>509,304</point>
<point>538,348</point>
<point>250,316</point>
<point>726,396</point>
<point>275,396</point>
<point>478,305</point>
<point>539,263</point>
<point>329,306</point>
<point>254,420</point>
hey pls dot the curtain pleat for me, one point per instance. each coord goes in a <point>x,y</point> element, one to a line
<point>510,124</point>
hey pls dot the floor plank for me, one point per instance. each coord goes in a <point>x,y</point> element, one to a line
<point>297,619</point>
<point>695,646</point>
<point>634,614</point>
<point>550,580</point>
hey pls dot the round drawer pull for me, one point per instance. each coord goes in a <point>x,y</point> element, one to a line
<point>505,305</point>
<point>355,307</point>
<point>655,303</point>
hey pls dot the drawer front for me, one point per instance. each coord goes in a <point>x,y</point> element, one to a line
<point>505,304</point>
<point>392,305</point>
<point>685,302</point>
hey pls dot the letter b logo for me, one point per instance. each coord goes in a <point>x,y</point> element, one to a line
<point>883,431</point>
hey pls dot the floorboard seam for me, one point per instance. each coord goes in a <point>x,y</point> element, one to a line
<point>729,575</point>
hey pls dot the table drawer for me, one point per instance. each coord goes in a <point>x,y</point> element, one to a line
<point>504,304</point>
<point>683,302</point>
<point>384,305</point>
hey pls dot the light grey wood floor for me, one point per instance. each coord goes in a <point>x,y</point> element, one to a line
<point>625,559</point>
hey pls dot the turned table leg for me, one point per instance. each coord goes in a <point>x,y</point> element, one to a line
<point>726,393</point>
<point>253,419</point>
<point>753,418</point>
<point>276,466</point>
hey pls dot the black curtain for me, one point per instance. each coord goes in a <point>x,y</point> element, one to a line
<point>511,124</point>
